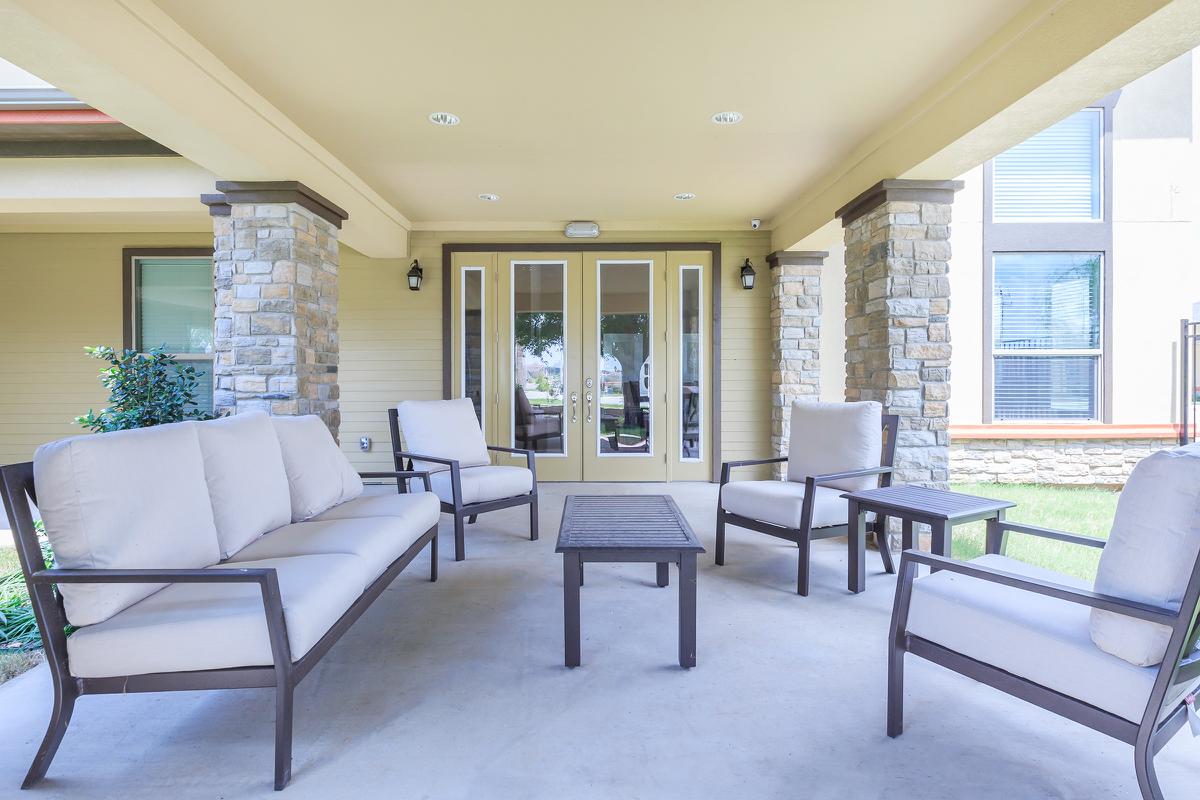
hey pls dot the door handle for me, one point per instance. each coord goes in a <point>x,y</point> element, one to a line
<point>588,398</point>
<point>574,407</point>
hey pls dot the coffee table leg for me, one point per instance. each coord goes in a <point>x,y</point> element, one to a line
<point>664,573</point>
<point>687,610</point>
<point>856,544</point>
<point>572,573</point>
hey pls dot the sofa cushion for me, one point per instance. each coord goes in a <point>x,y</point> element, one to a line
<point>377,541</point>
<point>419,508</point>
<point>127,499</point>
<point>1039,638</point>
<point>480,484</point>
<point>442,428</point>
<point>835,437</point>
<point>1150,552</point>
<point>243,466</point>
<point>192,626</point>
<point>319,475</point>
<point>782,503</point>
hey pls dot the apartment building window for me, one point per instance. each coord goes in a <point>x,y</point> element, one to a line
<point>169,302</point>
<point>1047,242</point>
<point>1055,175</point>
<point>1046,335</point>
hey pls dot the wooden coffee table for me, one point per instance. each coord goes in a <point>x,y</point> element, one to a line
<point>639,528</point>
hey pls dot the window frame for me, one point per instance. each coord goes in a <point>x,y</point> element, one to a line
<point>1095,236</point>
<point>130,256</point>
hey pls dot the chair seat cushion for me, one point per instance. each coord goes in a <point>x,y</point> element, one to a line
<point>480,484</point>
<point>1039,638</point>
<point>782,503</point>
<point>378,540</point>
<point>192,626</point>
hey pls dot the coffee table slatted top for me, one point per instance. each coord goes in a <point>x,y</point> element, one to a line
<point>624,522</point>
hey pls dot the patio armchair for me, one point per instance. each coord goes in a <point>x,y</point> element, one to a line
<point>534,425</point>
<point>1119,657</point>
<point>834,448</point>
<point>444,438</point>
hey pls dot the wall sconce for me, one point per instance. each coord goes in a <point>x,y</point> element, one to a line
<point>415,274</point>
<point>747,275</point>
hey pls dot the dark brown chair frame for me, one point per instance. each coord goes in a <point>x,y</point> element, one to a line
<point>466,511</point>
<point>18,490</point>
<point>1158,723</point>
<point>805,534</point>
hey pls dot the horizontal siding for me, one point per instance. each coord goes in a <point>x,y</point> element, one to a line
<point>61,292</point>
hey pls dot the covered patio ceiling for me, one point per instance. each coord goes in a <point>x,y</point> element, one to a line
<point>593,111</point>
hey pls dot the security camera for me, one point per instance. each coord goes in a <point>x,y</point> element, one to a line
<point>755,224</point>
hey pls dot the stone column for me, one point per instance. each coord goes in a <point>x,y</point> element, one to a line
<point>275,267</point>
<point>795,336</point>
<point>897,316</point>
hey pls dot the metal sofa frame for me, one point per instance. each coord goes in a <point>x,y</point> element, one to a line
<point>1181,664</point>
<point>467,512</point>
<point>806,533</point>
<point>17,489</point>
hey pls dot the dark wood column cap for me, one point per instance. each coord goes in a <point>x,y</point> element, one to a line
<point>233,192</point>
<point>898,189</point>
<point>804,258</point>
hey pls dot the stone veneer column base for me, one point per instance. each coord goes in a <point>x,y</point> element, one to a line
<point>897,316</point>
<point>795,337</point>
<point>275,265</point>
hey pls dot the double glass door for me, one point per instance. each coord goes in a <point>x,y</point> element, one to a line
<point>597,361</point>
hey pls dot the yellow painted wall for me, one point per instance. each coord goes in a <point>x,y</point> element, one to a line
<point>58,293</point>
<point>391,338</point>
<point>61,292</point>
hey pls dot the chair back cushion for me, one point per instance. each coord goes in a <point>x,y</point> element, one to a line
<point>1151,553</point>
<point>247,483</point>
<point>835,437</point>
<point>319,474</point>
<point>442,428</point>
<point>124,500</point>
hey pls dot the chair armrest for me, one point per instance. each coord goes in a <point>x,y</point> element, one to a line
<point>449,462</point>
<point>266,578</point>
<point>729,465</point>
<point>1049,533</point>
<point>1105,602</point>
<point>821,480</point>
<point>401,475</point>
<point>530,457</point>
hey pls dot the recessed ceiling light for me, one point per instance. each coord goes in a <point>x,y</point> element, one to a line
<point>727,117</point>
<point>444,118</point>
<point>686,196</point>
<point>491,198</point>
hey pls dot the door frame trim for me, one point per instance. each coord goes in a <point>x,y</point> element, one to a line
<point>714,353</point>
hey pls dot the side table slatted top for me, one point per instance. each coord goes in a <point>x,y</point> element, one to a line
<point>936,503</point>
<point>625,522</point>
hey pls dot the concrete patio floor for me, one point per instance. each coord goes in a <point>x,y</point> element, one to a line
<point>457,690</point>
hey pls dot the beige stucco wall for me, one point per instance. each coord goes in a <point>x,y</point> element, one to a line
<point>59,293</point>
<point>63,291</point>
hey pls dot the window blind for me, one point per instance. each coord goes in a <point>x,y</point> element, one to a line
<point>1045,387</point>
<point>175,304</point>
<point>1054,175</point>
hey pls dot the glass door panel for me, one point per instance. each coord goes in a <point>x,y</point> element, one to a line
<point>472,293</point>
<point>539,322</point>
<point>623,389</point>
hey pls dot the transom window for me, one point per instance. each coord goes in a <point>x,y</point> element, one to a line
<point>172,307</point>
<point>1054,176</point>
<point>1046,335</point>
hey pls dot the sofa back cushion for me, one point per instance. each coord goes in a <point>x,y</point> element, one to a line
<point>124,500</point>
<point>835,437</point>
<point>243,465</point>
<point>319,474</point>
<point>1150,553</point>
<point>442,428</point>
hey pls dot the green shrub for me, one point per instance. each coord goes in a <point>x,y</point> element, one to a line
<point>18,627</point>
<point>144,389</point>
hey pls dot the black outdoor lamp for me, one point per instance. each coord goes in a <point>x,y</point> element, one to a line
<point>747,275</point>
<point>415,273</point>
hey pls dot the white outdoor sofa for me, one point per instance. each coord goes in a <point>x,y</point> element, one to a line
<point>1121,656</point>
<point>204,555</point>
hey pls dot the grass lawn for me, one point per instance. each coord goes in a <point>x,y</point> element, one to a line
<point>1085,511</point>
<point>13,664</point>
